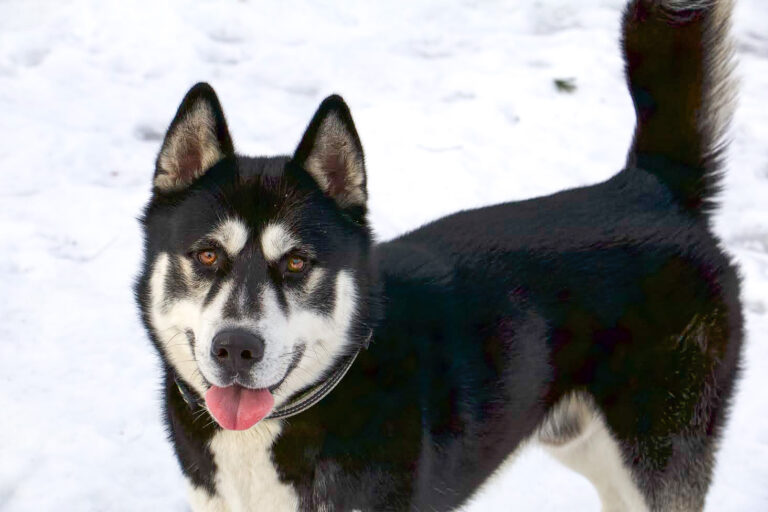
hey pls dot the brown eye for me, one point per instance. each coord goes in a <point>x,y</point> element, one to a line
<point>207,257</point>
<point>296,264</point>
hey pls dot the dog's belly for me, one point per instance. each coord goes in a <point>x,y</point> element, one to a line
<point>246,477</point>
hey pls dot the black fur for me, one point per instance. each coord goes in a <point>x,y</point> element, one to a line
<point>486,319</point>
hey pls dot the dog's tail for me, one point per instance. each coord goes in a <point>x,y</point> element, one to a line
<point>679,68</point>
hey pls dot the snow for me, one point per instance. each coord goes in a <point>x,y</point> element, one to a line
<point>456,106</point>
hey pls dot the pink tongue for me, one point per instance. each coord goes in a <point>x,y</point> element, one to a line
<point>238,408</point>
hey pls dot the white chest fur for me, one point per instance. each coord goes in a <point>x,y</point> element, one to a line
<point>246,477</point>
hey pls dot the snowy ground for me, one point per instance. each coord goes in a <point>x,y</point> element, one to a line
<point>456,107</point>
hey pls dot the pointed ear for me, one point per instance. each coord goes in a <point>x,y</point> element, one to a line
<point>331,152</point>
<point>196,140</point>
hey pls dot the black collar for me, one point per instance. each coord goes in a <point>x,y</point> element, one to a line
<point>187,394</point>
<point>299,404</point>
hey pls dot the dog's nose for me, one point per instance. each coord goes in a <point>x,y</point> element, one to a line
<point>237,350</point>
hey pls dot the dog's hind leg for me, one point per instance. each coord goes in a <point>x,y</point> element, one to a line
<point>576,435</point>
<point>664,473</point>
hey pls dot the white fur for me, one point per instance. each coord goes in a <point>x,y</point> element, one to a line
<point>595,454</point>
<point>242,298</point>
<point>246,478</point>
<point>232,234</point>
<point>276,240</point>
<point>201,501</point>
<point>313,280</point>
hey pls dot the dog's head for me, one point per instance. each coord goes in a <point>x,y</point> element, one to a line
<point>257,270</point>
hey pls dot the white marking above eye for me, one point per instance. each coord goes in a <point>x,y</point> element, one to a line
<point>232,234</point>
<point>276,240</point>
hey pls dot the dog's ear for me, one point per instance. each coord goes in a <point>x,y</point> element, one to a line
<point>331,152</point>
<point>196,140</point>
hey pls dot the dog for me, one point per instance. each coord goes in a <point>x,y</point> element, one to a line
<point>306,367</point>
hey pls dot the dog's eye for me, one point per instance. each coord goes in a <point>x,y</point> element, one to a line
<point>296,264</point>
<point>207,257</point>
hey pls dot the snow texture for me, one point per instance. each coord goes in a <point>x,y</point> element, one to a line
<point>457,107</point>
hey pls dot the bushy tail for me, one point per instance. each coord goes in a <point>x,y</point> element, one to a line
<point>679,68</point>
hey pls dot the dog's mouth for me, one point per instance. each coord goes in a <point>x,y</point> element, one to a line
<point>237,407</point>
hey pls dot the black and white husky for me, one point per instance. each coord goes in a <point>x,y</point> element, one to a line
<point>307,368</point>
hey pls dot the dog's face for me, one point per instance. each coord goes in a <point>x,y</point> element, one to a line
<point>256,273</point>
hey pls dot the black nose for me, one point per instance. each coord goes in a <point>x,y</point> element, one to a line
<point>237,350</point>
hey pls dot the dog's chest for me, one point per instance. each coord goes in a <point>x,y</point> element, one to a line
<point>246,477</point>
